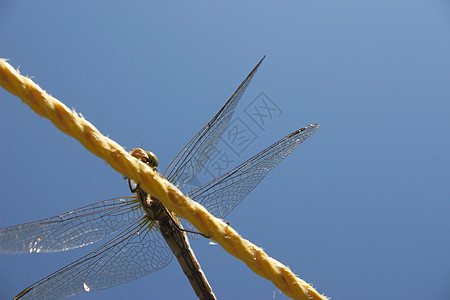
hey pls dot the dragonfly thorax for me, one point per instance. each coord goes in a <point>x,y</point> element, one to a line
<point>152,207</point>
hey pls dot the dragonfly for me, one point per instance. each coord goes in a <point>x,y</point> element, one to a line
<point>143,234</point>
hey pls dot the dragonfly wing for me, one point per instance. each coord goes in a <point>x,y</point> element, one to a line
<point>137,251</point>
<point>221,195</point>
<point>76,228</point>
<point>189,162</point>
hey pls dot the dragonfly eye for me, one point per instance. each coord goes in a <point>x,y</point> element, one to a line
<point>152,160</point>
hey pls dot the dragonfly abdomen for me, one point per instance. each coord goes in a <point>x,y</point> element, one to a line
<point>179,244</point>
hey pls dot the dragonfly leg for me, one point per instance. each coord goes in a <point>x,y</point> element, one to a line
<point>194,232</point>
<point>182,229</point>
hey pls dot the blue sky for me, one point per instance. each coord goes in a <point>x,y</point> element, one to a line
<point>361,210</point>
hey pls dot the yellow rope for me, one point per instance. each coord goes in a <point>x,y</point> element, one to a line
<point>76,126</point>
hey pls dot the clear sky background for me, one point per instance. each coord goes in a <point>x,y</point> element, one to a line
<point>361,210</point>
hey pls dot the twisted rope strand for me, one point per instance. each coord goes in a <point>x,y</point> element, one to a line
<point>76,126</point>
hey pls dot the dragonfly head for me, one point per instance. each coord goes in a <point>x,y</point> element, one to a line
<point>147,157</point>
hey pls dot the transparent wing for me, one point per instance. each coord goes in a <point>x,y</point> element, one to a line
<point>137,251</point>
<point>73,229</point>
<point>188,163</point>
<point>221,195</point>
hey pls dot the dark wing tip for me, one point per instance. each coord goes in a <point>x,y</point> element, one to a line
<point>262,59</point>
<point>315,126</point>
<point>22,293</point>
